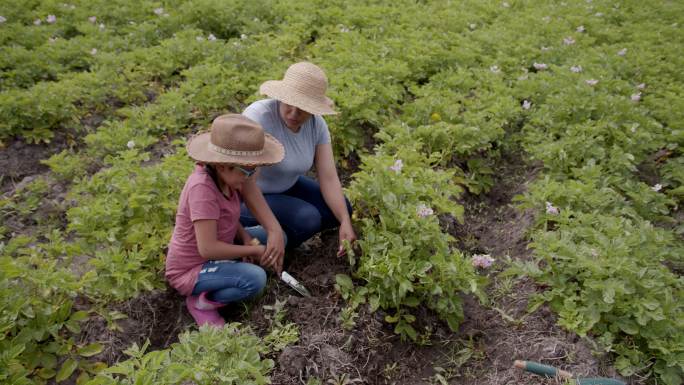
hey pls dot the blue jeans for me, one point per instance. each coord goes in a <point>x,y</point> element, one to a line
<point>301,211</point>
<point>231,280</point>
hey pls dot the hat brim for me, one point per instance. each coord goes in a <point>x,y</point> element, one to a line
<point>276,89</point>
<point>198,149</point>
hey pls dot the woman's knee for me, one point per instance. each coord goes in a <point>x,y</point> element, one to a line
<point>255,279</point>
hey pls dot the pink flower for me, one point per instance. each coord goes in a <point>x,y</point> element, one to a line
<point>622,52</point>
<point>540,66</point>
<point>424,211</point>
<point>636,97</point>
<point>551,209</point>
<point>92,19</point>
<point>51,19</point>
<point>482,260</point>
<point>641,86</point>
<point>576,69</point>
<point>397,166</point>
<point>580,29</point>
<point>568,41</point>
<point>592,82</point>
<point>526,104</point>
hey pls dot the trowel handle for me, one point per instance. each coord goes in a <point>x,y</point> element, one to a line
<point>541,369</point>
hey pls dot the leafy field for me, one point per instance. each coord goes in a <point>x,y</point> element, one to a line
<point>544,134</point>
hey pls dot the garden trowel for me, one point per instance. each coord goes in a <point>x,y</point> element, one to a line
<point>293,283</point>
<point>550,371</point>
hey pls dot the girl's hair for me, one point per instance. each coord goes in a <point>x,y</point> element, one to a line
<point>211,170</point>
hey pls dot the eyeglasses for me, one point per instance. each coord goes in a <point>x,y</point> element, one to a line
<point>247,171</point>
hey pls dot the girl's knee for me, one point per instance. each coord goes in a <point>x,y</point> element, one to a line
<point>255,277</point>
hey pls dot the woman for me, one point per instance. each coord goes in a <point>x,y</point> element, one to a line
<point>212,259</point>
<point>293,115</point>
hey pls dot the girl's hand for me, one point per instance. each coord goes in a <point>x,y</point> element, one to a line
<point>346,234</point>
<point>257,253</point>
<point>275,251</point>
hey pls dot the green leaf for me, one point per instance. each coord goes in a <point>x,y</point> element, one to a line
<point>90,350</point>
<point>67,369</point>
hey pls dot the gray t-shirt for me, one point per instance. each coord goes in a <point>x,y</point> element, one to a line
<point>300,147</point>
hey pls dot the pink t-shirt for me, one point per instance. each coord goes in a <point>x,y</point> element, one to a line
<point>200,199</point>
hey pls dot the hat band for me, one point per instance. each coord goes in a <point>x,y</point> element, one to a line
<point>226,151</point>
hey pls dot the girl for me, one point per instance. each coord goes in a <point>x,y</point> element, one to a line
<point>212,259</point>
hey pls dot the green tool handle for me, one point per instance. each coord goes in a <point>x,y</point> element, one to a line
<point>541,369</point>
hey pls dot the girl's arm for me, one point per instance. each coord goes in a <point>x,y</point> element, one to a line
<point>331,188</point>
<point>211,248</point>
<point>275,244</point>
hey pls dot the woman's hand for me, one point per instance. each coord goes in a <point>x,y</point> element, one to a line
<point>346,234</point>
<point>256,253</point>
<point>274,251</point>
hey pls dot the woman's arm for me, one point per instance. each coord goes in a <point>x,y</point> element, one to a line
<point>275,244</point>
<point>331,188</point>
<point>211,248</point>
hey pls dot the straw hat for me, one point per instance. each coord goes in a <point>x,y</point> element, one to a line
<point>303,86</point>
<point>235,139</point>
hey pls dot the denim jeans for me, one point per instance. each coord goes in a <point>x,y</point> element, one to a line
<point>232,280</point>
<point>301,211</point>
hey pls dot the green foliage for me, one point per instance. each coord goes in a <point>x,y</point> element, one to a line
<point>228,355</point>
<point>400,272</point>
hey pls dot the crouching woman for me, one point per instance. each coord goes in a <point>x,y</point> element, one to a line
<point>212,259</point>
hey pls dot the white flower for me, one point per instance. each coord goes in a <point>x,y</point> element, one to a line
<point>256,20</point>
<point>540,66</point>
<point>544,49</point>
<point>526,104</point>
<point>634,127</point>
<point>52,40</point>
<point>657,187</point>
<point>344,29</point>
<point>569,41</point>
<point>505,4</point>
<point>546,18</point>
<point>576,69</point>
<point>482,260</point>
<point>102,26</point>
<point>93,51</point>
<point>472,26</point>
<point>641,86</point>
<point>522,77</point>
<point>211,37</point>
<point>159,11</point>
<point>592,82</point>
<point>130,144</point>
<point>598,14</point>
<point>495,69</point>
<point>37,22</point>
<point>51,19</point>
<point>199,38</point>
<point>424,211</point>
<point>397,166</point>
<point>580,29</point>
<point>92,19</point>
<point>243,36</point>
<point>636,97</point>
<point>165,15</point>
<point>551,209</point>
<point>622,52</point>
<point>2,19</point>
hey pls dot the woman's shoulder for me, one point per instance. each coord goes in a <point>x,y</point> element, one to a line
<point>261,107</point>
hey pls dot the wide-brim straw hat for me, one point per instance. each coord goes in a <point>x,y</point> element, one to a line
<point>303,86</point>
<point>235,139</point>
